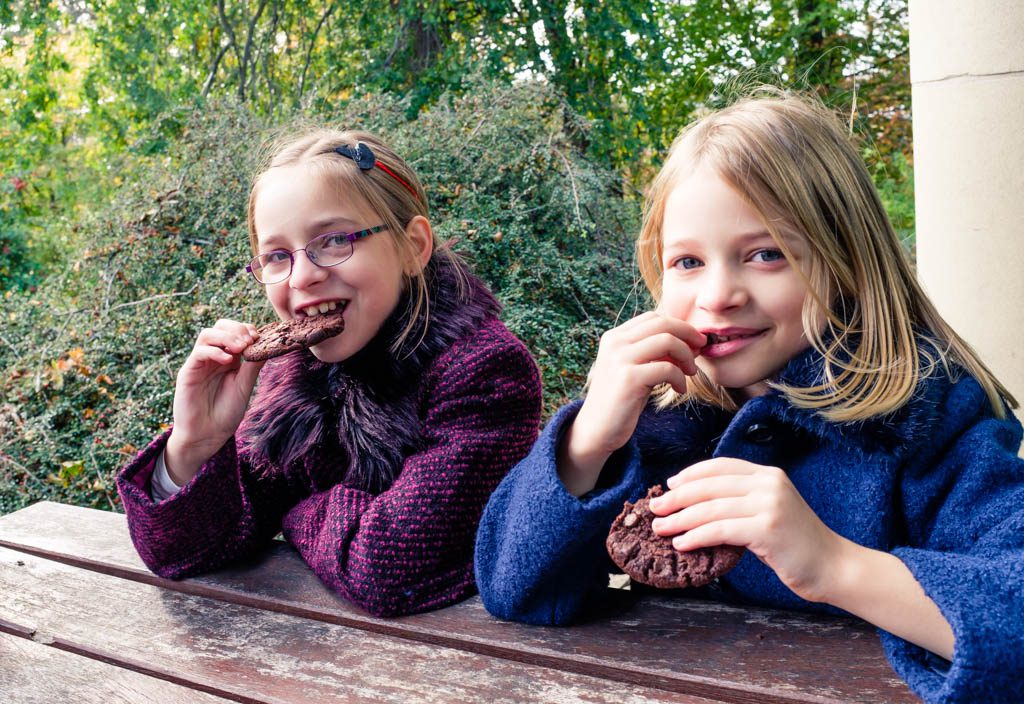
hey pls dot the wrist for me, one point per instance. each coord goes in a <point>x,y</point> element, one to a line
<point>848,577</point>
<point>579,462</point>
<point>184,458</point>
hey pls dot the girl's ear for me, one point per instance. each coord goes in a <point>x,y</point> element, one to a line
<point>421,241</point>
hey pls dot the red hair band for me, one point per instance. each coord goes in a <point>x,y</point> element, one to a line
<point>365,159</point>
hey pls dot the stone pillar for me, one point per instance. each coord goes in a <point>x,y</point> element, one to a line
<point>967,75</point>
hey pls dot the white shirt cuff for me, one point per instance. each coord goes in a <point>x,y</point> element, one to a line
<point>161,485</point>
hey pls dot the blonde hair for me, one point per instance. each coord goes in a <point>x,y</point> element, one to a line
<point>792,160</point>
<point>394,193</point>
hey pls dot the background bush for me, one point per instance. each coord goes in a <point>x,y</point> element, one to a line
<point>88,360</point>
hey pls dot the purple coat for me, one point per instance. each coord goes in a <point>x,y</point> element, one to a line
<point>376,469</point>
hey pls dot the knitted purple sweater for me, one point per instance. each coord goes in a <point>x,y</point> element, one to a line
<point>383,491</point>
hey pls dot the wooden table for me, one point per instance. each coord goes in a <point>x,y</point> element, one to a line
<point>82,620</point>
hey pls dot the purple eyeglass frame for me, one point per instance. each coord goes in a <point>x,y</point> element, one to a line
<point>350,236</point>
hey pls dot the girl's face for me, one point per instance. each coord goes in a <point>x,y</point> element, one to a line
<point>292,207</point>
<point>726,276</point>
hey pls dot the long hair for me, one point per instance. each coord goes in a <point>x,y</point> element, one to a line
<point>394,203</point>
<point>792,160</point>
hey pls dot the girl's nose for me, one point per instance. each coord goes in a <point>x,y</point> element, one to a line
<point>305,272</point>
<point>721,289</point>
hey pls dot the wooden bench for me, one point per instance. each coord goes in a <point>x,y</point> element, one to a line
<point>81,619</point>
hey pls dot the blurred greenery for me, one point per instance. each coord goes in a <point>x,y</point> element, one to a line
<point>129,130</point>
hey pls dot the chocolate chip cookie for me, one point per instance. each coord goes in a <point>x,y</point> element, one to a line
<point>286,336</point>
<point>650,559</point>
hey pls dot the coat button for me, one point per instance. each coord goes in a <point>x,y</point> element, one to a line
<point>760,433</point>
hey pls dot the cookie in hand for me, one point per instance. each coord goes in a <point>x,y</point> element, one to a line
<point>650,559</point>
<point>286,336</point>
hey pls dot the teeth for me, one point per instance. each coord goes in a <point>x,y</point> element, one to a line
<point>326,306</point>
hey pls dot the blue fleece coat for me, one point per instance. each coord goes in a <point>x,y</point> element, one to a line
<point>938,484</point>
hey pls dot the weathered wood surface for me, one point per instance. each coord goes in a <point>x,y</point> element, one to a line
<point>681,645</point>
<point>251,655</point>
<point>32,673</point>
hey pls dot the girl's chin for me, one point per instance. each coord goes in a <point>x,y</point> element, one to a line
<point>329,353</point>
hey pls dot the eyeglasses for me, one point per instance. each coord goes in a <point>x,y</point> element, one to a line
<point>329,249</point>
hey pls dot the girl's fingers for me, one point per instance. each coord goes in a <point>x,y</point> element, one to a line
<point>201,354</point>
<point>667,347</point>
<point>247,374</point>
<point>729,531</point>
<point>655,373</point>
<point>651,323</point>
<point>654,323</point>
<point>714,467</point>
<point>233,339</point>
<point>701,513</point>
<point>714,487</point>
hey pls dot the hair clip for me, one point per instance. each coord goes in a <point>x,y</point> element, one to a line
<point>362,155</point>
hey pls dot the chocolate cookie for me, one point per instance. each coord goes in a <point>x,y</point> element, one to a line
<point>285,336</point>
<point>650,559</point>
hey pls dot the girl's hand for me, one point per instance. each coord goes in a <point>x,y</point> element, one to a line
<point>734,502</point>
<point>210,397</point>
<point>635,357</point>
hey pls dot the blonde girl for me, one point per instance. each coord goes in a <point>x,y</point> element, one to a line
<point>801,397</point>
<point>374,451</point>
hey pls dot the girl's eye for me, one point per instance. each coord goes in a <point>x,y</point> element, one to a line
<point>275,257</point>
<point>337,239</point>
<point>767,256</point>
<point>686,263</point>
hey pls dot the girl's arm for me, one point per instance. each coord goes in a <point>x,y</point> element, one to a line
<point>947,598</point>
<point>540,555</point>
<point>222,514</point>
<point>732,501</point>
<point>409,548</point>
<point>632,359</point>
<point>879,588</point>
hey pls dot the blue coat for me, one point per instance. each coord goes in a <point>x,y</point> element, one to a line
<point>937,483</point>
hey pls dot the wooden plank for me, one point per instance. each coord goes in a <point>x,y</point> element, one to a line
<point>682,645</point>
<point>251,655</point>
<point>33,673</point>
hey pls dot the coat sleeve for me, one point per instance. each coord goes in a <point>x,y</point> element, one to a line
<point>222,514</point>
<point>965,511</point>
<point>410,548</point>
<point>540,552</point>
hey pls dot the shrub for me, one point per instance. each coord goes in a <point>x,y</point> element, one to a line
<point>87,362</point>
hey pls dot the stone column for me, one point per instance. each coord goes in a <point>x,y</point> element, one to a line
<point>967,75</point>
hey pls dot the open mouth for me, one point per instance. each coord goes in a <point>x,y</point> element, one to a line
<point>324,308</point>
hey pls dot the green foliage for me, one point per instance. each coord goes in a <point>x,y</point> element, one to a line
<point>895,182</point>
<point>87,363</point>
<point>87,83</point>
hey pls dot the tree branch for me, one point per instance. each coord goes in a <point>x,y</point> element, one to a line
<point>248,47</point>
<point>309,52</point>
<point>233,43</point>
<point>213,70</point>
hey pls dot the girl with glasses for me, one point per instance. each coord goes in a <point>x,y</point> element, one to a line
<point>800,397</point>
<point>373,451</point>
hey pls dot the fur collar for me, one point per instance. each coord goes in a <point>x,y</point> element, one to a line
<point>355,421</point>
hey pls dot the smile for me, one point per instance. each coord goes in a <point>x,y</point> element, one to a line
<point>722,345</point>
